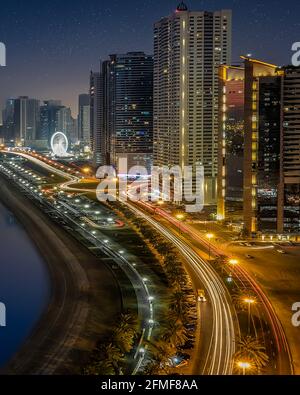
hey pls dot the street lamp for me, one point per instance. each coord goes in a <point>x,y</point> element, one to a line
<point>86,170</point>
<point>180,217</point>
<point>233,262</point>
<point>249,301</point>
<point>244,365</point>
<point>209,236</point>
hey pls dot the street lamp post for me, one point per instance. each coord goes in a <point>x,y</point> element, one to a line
<point>160,203</point>
<point>249,301</point>
<point>180,217</point>
<point>244,366</point>
<point>233,262</point>
<point>209,237</point>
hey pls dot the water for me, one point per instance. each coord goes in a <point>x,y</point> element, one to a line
<point>24,284</point>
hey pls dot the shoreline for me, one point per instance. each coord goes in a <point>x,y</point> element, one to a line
<point>83,296</point>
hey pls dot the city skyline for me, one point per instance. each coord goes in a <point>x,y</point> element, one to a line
<point>55,46</point>
<point>158,233</point>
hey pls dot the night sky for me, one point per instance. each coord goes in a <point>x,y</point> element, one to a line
<point>53,45</point>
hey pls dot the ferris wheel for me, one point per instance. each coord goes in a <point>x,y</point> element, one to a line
<point>59,144</point>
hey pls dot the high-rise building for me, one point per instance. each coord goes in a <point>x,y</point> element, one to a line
<point>189,47</point>
<point>262,145</point>
<point>65,123</point>
<point>123,92</point>
<point>26,119</point>
<point>84,118</point>
<point>289,211</point>
<point>231,142</point>
<point>48,119</point>
<point>7,132</point>
<point>272,149</point>
<point>96,117</point>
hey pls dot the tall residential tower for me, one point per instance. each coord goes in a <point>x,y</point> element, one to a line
<point>189,47</point>
<point>122,110</point>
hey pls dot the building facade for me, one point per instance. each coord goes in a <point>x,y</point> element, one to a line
<point>96,118</point>
<point>231,142</point>
<point>84,119</point>
<point>289,217</point>
<point>122,110</point>
<point>189,47</point>
<point>48,119</point>
<point>65,123</point>
<point>26,119</point>
<point>272,149</point>
<point>7,130</point>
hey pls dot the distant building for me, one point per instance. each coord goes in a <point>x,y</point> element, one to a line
<point>122,110</point>
<point>7,131</point>
<point>189,47</point>
<point>26,119</point>
<point>231,142</point>
<point>96,118</point>
<point>65,123</point>
<point>272,148</point>
<point>48,118</point>
<point>84,133</point>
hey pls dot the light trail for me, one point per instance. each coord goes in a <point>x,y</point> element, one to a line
<point>222,342</point>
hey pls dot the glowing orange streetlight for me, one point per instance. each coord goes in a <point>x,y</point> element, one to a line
<point>244,366</point>
<point>249,301</point>
<point>209,236</point>
<point>180,217</point>
<point>86,170</point>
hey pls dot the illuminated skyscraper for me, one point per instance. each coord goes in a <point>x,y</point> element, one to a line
<point>96,110</point>
<point>189,47</point>
<point>84,118</point>
<point>289,211</point>
<point>26,119</point>
<point>48,119</point>
<point>262,145</point>
<point>231,141</point>
<point>65,123</point>
<point>122,110</point>
<point>272,148</point>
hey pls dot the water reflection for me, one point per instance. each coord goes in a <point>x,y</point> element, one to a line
<point>24,284</point>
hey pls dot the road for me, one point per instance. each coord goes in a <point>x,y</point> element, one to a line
<point>218,360</point>
<point>284,364</point>
<point>222,329</point>
<point>220,347</point>
<point>278,274</point>
<point>144,300</point>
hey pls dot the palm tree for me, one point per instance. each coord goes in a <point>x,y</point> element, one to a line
<point>163,248</point>
<point>250,349</point>
<point>239,297</point>
<point>174,333</point>
<point>128,322</point>
<point>178,304</point>
<point>160,357</point>
<point>99,368</point>
<point>123,340</point>
<point>111,354</point>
